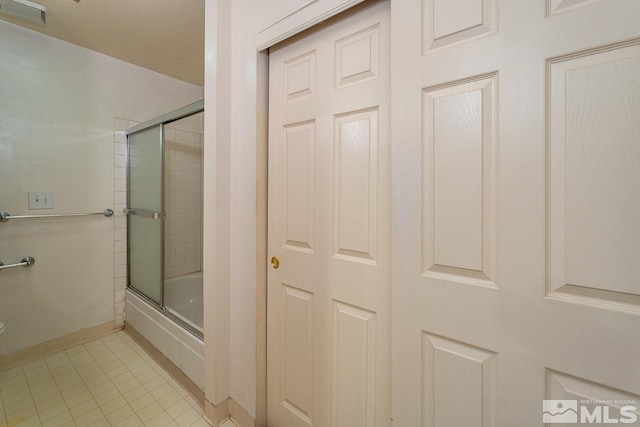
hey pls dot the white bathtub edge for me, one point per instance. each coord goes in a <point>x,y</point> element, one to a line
<point>182,348</point>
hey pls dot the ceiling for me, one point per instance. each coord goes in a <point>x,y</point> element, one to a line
<point>166,36</point>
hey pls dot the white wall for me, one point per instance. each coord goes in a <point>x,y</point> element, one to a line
<point>58,102</point>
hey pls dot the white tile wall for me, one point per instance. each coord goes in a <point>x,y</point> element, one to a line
<point>120,222</point>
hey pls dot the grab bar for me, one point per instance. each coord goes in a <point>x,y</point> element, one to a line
<point>144,213</point>
<point>26,262</point>
<point>5,216</point>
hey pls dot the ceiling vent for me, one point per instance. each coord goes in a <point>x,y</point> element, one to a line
<point>24,9</point>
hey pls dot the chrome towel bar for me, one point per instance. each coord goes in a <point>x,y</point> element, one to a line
<point>5,216</point>
<point>25,262</point>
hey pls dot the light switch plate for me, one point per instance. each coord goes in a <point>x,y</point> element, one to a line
<point>40,200</point>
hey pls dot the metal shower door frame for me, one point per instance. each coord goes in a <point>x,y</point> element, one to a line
<point>161,121</point>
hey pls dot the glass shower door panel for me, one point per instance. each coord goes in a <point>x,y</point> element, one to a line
<point>145,206</point>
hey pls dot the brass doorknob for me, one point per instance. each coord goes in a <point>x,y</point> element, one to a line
<point>275,262</point>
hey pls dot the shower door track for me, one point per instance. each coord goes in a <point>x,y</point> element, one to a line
<point>180,113</point>
<point>166,313</point>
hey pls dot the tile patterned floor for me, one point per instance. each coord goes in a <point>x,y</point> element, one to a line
<point>110,381</point>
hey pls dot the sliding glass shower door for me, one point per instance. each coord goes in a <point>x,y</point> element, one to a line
<point>164,214</point>
<point>145,211</point>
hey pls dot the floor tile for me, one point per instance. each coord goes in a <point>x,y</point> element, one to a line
<point>34,421</point>
<point>89,418</point>
<point>107,382</point>
<point>101,423</point>
<point>113,405</point>
<point>120,415</point>
<point>53,412</point>
<point>149,412</point>
<point>19,406</point>
<point>83,408</point>
<point>134,394</point>
<point>78,399</point>
<point>17,396</point>
<point>178,408</point>
<point>128,385</point>
<point>154,383</point>
<point>142,402</point>
<point>162,391</point>
<point>74,390</point>
<point>101,388</point>
<point>132,421</point>
<point>188,418</point>
<point>60,420</point>
<point>161,419</point>
<point>49,402</point>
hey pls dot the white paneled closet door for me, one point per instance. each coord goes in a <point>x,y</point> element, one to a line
<point>516,200</point>
<point>328,351</point>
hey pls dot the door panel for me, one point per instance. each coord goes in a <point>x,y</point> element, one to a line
<point>355,180</point>
<point>456,372</point>
<point>299,176</point>
<point>460,146</point>
<point>145,198</point>
<point>516,234</point>
<point>591,182</point>
<point>329,224</point>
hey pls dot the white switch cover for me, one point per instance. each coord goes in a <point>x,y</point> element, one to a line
<point>40,200</point>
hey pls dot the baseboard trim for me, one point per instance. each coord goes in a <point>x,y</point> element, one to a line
<point>19,357</point>
<point>168,365</point>
<point>216,414</point>
<point>240,416</point>
<point>229,408</point>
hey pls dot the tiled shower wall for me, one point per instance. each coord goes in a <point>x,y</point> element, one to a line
<point>183,202</point>
<point>120,223</point>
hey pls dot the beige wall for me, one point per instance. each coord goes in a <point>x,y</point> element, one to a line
<point>56,134</point>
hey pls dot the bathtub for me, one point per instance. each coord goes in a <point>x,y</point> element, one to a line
<point>183,298</point>
<point>182,347</point>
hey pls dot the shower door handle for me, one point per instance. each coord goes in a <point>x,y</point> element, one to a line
<point>144,213</point>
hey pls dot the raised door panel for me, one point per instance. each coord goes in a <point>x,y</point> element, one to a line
<point>354,366</point>
<point>575,401</point>
<point>297,360</point>
<point>558,6</point>
<point>300,77</point>
<point>299,186</point>
<point>460,175</point>
<point>459,384</point>
<point>593,157</point>
<point>356,189</point>
<point>357,57</point>
<point>447,22</point>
